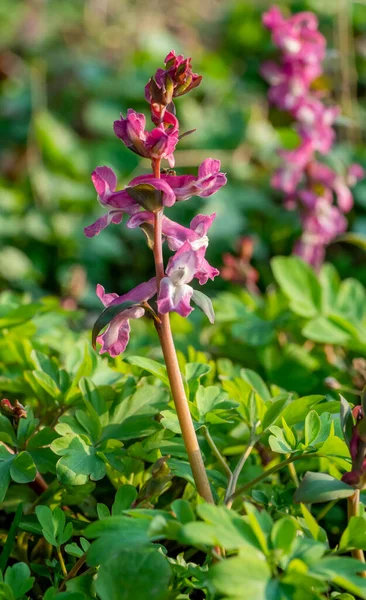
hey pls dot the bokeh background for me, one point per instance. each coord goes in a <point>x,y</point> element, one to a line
<point>69,67</point>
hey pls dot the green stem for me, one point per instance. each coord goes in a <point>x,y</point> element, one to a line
<point>269,472</point>
<point>73,572</point>
<point>62,562</point>
<point>353,505</point>
<point>175,378</point>
<point>216,452</point>
<point>233,482</point>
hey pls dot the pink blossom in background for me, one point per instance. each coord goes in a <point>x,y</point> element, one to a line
<point>321,195</point>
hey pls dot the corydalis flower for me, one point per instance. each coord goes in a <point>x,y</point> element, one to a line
<point>175,294</point>
<point>176,234</point>
<point>158,143</point>
<point>209,180</point>
<point>118,203</point>
<point>175,80</point>
<point>115,338</point>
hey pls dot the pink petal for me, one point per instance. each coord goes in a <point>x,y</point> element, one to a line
<point>174,298</point>
<point>116,337</point>
<point>104,178</point>
<point>113,216</point>
<point>106,299</point>
<point>206,272</point>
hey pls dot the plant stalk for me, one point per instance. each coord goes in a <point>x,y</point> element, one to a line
<point>353,505</point>
<point>216,452</point>
<point>62,562</point>
<point>230,493</point>
<point>175,378</point>
<point>271,471</point>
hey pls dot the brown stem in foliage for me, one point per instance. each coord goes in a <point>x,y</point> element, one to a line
<point>175,378</point>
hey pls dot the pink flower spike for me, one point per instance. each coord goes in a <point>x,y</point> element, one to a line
<point>115,338</point>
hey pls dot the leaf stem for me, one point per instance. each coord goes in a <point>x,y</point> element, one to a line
<point>175,378</point>
<point>73,572</point>
<point>271,471</point>
<point>62,562</point>
<point>216,452</point>
<point>353,505</point>
<point>233,482</point>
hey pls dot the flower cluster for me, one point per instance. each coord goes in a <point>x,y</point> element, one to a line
<point>149,194</point>
<point>309,184</point>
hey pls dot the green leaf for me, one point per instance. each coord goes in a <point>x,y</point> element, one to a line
<point>245,576</point>
<point>114,535</point>
<point>346,420</point>
<point>299,283</point>
<point>330,330</point>
<point>283,534</point>
<point>146,574</point>
<point>18,579</point>
<point>106,317</point>
<point>149,365</point>
<point>321,487</point>
<point>146,195</point>
<point>254,331</point>
<point>205,304</point>
<point>182,510</point>
<point>343,571</point>
<point>296,411</point>
<point>123,500</point>
<point>6,459</point>
<point>354,536</point>
<point>351,300</point>
<point>314,528</point>
<point>48,524</point>
<point>212,398</point>
<point>10,540</point>
<point>47,383</point>
<point>22,468</point>
<point>312,427</point>
<point>256,383</point>
<point>78,461</point>
<point>221,527</point>
<point>274,410</point>
<point>278,442</point>
<point>92,397</point>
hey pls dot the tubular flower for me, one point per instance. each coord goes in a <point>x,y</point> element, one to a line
<point>175,80</point>
<point>120,202</point>
<point>174,293</point>
<point>176,234</point>
<point>116,337</point>
<point>158,143</point>
<point>321,194</point>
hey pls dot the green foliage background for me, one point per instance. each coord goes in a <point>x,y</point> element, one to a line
<point>67,70</point>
